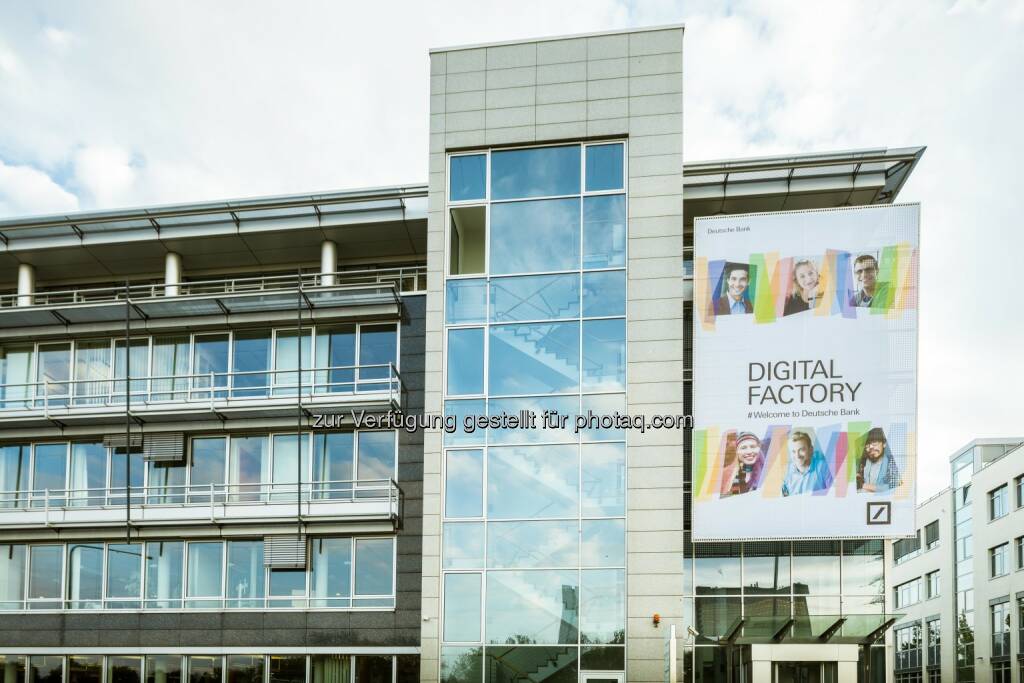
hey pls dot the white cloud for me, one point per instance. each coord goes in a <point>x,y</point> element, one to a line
<point>59,39</point>
<point>25,190</point>
<point>106,173</point>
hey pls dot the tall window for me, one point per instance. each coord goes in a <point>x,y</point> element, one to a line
<point>908,647</point>
<point>999,560</point>
<point>908,593</point>
<point>1018,487</point>
<point>932,584</point>
<point>1019,546</point>
<point>1000,613</point>
<point>931,535</point>
<point>998,502</point>
<point>933,635</point>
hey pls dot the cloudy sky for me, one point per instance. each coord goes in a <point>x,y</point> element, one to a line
<point>108,104</point>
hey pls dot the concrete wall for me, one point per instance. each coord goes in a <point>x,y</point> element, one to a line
<point>624,84</point>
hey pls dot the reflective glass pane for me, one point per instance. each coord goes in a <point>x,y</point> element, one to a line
<point>93,367</point>
<point>604,480</point>
<point>12,576</point>
<point>376,459</point>
<point>13,667</point>
<point>604,355</point>
<point>331,668</point>
<point>540,431</point>
<point>604,231</point>
<point>374,668</point>
<point>767,574</point>
<point>336,359</point>
<point>49,471</point>
<point>248,467</point>
<point>714,616</point>
<point>603,606</point>
<point>15,376</point>
<point>534,237</point>
<point>85,669</point>
<point>85,575</point>
<point>462,664</point>
<point>287,669</point>
<point>291,463</point>
<point>121,669</point>
<point>378,347</point>
<point>210,364</point>
<point>464,483</point>
<point>466,361</point>
<point>455,413</point>
<point>605,659</point>
<point>124,575</point>
<point>536,606</point>
<point>125,467</point>
<point>164,572</point>
<point>535,297</point>
<point>208,467</point>
<point>465,301</point>
<point>88,474</point>
<point>251,361</point>
<point>166,483</point>
<point>133,365</point>
<point>53,372</point>
<point>717,569</point>
<point>244,669</point>
<point>604,293</point>
<point>764,606</point>
<point>536,172</point>
<point>816,568</point>
<point>604,167</point>
<point>557,663</point>
<point>526,482</point>
<point>333,455</point>
<point>44,579</point>
<point>204,573</point>
<point>46,668</point>
<point>463,545</point>
<point>330,581</point>
<point>204,669</point>
<point>462,603</point>
<point>468,177</point>
<point>534,358</point>
<point>604,543</point>
<point>170,368</point>
<point>526,545</point>
<point>603,407</point>
<point>163,669</point>
<point>289,584</point>
<point>14,469</point>
<point>287,356</point>
<point>245,574</point>
<point>863,568</point>
<point>374,566</point>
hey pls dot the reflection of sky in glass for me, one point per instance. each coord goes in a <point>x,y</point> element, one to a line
<point>525,545</point>
<point>85,565</point>
<point>376,458</point>
<point>208,460</point>
<point>464,478</point>
<point>532,606</point>
<point>248,459</point>
<point>468,177</point>
<point>604,167</point>
<point>604,293</point>
<point>563,405</point>
<point>124,570</point>
<point>535,297</point>
<point>534,358</point>
<point>462,608</point>
<point>204,569</point>
<point>766,574</point>
<point>604,479</point>
<point>50,465</point>
<point>465,301</point>
<point>532,481</point>
<point>44,572</point>
<point>459,410</point>
<point>332,456</point>
<point>374,566</point>
<point>538,172</point>
<point>603,404</point>
<point>604,231</point>
<point>604,355</point>
<point>466,361</point>
<point>604,543</point>
<point>603,606</point>
<point>532,237</point>
<point>463,545</point>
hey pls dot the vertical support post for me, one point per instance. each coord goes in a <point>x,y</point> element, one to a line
<point>298,405</point>
<point>172,274</point>
<point>127,413</point>
<point>26,284</point>
<point>328,262</point>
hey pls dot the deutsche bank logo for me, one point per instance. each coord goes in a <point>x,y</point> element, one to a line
<point>880,512</point>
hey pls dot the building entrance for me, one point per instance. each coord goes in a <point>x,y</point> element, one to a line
<point>805,672</point>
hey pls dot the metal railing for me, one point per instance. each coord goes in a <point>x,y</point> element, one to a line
<point>405,279</point>
<point>216,497</point>
<point>213,388</point>
<point>190,604</point>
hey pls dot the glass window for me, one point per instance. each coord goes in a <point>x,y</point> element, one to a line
<point>463,545</point>
<point>467,240</point>
<point>374,668</point>
<point>717,569</point>
<point>534,606</point>
<point>540,432</point>
<point>121,669</point>
<point>208,467</point>
<point>85,575</point>
<point>88,474</point>
<point>465,301</point>
<point>13,667</point>
<point>604,480</point>
<point>53,373</point>
<point>604,355</point>
<point>12,577</point>
<point>244,669</point>
<point>604,293</point>
<point>468,177</point>
<point>999,560</point>
<point>45,575</point>
<point>248,466</point>
<point>332,464</point>
<point>376,457</point>
<point>14,469</point>
<point>464,480</point>
<point>46,668</point>
<point>251,361</point>
<point>331,573</point>
<point>124,467</point>
<point>166,482</point>
<point>604,231</point>
<point>931,534</point>
<point>536,172</point>
<point>766,569</point>
<point>85,669</point>
<point>290,459</point>
<point>713,617</point>
<point>164,571</point>
<point>245,574</point>
<point>998,502</point>
<point>604,543</point>
<point>526,482</point>
<point>163,669</point>
<point>458,410</point>
<point>462,602</point>
<point>539,358</point>
<point>124,575</point>
<point>505,663</point>
<point>528,545</point>
<point>287,356</point>
<point>92,372</point>
<point>534,237</point>
<point>863,568</point>
<point>604,167</point>
<point>210,364</point>
<point>170,367</point>
<point>331,668</point>
<point>287,669</point>
<point>378,346</point>
<point>336,358</point>
<point>136,366</point>
<point>49,471</point>
<point>600,406</point>
<point>932,587</point>
<point>462,664</point>
<point>204,574</point>
<point>816,568</point>
<point>535,297</point>
<point>15,376</point>
<point>204,669</point>
<point>375,567</point>
<point>289,584</point>
<point>466,361</point>
<point>603,606</point>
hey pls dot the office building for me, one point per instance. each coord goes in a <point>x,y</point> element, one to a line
<point>174,509</point>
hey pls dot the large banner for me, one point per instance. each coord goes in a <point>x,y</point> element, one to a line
<point>805,374</point>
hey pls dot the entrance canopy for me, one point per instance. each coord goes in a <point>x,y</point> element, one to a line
<point>852,629</point>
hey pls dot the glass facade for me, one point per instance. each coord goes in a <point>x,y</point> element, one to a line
<point>963,470</point>
<point>533,550</point>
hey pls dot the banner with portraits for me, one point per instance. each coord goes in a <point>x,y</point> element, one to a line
<point>805,374</point>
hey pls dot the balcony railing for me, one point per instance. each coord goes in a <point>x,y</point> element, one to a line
<point>215,391</point>
<point>158,504</point>
<point>369,602</point>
